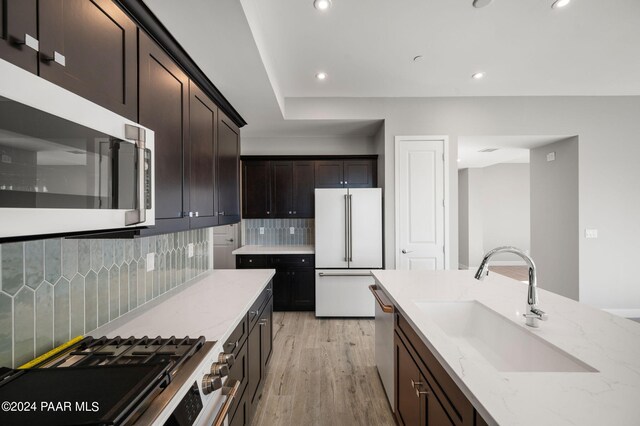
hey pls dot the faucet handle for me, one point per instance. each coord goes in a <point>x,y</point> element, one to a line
<point>535,315</point>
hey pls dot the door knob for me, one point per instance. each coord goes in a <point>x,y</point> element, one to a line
<point>230,240</point>
<point>406,251</point>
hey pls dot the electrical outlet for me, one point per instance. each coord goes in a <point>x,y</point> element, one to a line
<point>262,230</point>
<point>591,233</point>
<point>292,230</point>
<point>190,250</point>
<point>551,156</point>
<point>151,262</point>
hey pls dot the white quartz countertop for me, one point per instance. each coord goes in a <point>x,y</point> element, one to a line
<point>609,344</point>
<point>212,306</point>
<point>253,249</point>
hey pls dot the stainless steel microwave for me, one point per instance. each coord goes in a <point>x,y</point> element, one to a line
<point>68,165</point>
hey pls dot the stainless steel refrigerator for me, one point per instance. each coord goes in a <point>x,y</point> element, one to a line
<point>348,244</point>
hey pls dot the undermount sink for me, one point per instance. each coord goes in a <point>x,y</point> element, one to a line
<point>503,343</point>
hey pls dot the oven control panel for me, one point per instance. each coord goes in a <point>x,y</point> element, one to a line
<point>188,409</point>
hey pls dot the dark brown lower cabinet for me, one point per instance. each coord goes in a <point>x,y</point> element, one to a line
<point>425,394</point>
<point>258,355</point>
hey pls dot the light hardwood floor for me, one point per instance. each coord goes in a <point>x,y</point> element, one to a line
<point>520,273</point>
<point>322,372</point>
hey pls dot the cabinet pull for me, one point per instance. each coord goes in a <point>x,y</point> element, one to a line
<point>28,41</point>
<point>232,345</point>
<point>289,211</point>
<point>268,212</point>
<point>221,213</point>
<point>57,57</point>
<point>295,212</point>
<point>414,384</point>
<point>197,214</point>
<point>419,392</point>
<point>387,309</point>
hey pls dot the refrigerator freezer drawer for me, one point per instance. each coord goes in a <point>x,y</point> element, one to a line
<point>344,293</point>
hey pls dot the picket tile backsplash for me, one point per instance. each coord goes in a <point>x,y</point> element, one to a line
<point>277,232</point>
<point>56,289</point>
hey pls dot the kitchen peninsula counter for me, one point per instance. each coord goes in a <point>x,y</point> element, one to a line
<point>607,393</point>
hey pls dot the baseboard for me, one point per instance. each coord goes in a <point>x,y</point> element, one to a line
<point>625,313</point>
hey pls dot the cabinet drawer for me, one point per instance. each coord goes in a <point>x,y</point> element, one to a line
<point>453,401</point>
<point>251,261</point>
<point>236,339</point>
<point>239,371</point>
<point>256,309</point>
<point>286,260</point>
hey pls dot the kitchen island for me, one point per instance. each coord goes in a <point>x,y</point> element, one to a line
<point>582,366</point>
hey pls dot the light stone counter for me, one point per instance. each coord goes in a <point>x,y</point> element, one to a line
<point>302,249</point>
<point>605,342</point>
<point>212,306</point>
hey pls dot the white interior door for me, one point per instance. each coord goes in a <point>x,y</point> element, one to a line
<point>225,240</point>
<point>365,228</point>
<point>331,228</point>
<point>420,203</point>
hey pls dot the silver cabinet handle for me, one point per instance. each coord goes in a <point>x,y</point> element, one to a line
<point>406,251</point>
<point>138,135</point>
<point>295,212</point>
<point>221,213</point>
<point>419,392</point>
<point>341,182</point>
<point>339,274</point>
<point>346,183</point>
<point>57,57</point>
<point>28,41</point>
<point>289,211</point>
<point>268,212</point>
<point>196,214</point>
<point>414,384</point>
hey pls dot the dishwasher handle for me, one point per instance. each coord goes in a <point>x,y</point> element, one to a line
<point>386,308</point>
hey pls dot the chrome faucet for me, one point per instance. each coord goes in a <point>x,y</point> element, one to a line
<point>533,314</point>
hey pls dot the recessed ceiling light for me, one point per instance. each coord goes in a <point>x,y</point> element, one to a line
<point>560,3</point>
<point>322,4</point>
<point>481,3</point>
<point>321,76</point>
<point>477,76</point>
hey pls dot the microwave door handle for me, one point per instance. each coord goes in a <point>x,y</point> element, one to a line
<point>139,215</point>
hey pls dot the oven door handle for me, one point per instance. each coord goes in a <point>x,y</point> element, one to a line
<point>231,392</point>
<point>139,215</point>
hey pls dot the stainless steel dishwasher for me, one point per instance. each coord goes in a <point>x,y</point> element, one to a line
<point>384,341</point>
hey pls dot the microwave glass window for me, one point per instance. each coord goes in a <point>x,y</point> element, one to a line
<point>49,162</point>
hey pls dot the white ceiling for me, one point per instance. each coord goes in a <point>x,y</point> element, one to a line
<point>257,52</point>
<point>524,46</point>
<point>511,149</point>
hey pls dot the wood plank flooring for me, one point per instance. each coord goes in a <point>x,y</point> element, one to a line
<point>520,273</point>
<point>322,372</point>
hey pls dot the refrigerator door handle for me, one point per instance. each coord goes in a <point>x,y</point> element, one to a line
<point>350,228</point>
<point>346,228</point>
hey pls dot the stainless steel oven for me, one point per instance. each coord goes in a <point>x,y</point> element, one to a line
<point>68,165</point>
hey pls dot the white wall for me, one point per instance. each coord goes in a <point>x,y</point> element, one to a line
<point>555,235</point>
<point>505,209</point>
<point>463,219</point>
<point>609,199</point>
<point>357,145</point>
<point>471,217</point>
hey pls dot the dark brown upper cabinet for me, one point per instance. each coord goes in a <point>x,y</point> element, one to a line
<point>164,107</point>
<point>90,48</point>
<point>351,173</point>
<point>277,189</point>
<point>329,174</point>
<point>203,123</point>
<point>228,171</point>
<point>19,42</point>
<point>303,186</point>
<point>256,187</point>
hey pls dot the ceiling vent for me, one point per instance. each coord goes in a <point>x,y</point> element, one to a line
<point>489,149</point>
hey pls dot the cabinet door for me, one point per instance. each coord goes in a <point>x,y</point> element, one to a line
<point>329,174</point>
<point>282,188</point>
<point>282,290</point>
<point>360,173</point>
<point>239,371</point>
<point>164,108</point>
<point>98,43</point>
<point>256,196</point>
<point>203,122</point>
<point>436,414</point>
<point>18,20</point>
<point>228,174</point>
<point>266,335</point>
<point>303,186</point>
<point>410,407</point>
<point>255,366</point>
<point>303,289</point>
